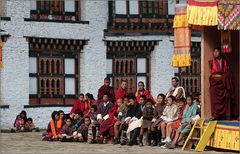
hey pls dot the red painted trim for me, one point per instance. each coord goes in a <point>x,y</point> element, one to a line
<point>202,3</point>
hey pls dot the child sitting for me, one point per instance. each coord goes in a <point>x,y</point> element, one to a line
<point>67,131</point>
<point>158,111</point>
<point>173,126</point>
<point>29,126</point>
<point>186,123</point>
<point>169,115</point>
<point>147,122</point>
<point>94,127</point>
<point>82,132</point>
<point>120,118</point>
<point>53,132</point>
<point>78,119</point>
<point>19,124</point>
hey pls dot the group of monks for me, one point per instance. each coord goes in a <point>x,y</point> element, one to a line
<point>114,114</point>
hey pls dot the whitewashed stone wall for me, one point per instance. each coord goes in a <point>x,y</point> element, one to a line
<point>15,75</point>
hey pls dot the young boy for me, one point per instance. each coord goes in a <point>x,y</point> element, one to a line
<point>104,109</point>
<point>186,123</point>
<point>173,126</point>
<point>158,111</point>
<point>169,115</point>
<point>93,130</point>
<point>78,119</point>
<point>120,118</point>
<point>29,126</point>
<point>82,131</point>
<point>148,114</point>
<point>134,114</point>
<point>67,131</point>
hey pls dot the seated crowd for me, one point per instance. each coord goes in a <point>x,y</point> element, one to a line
<point>126,119</point>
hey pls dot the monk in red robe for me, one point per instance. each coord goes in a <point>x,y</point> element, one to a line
<point>106,88</point>
<point>122,90</point>
<point>142,91</point>
<point>78,104</point>
<point>221,87</point>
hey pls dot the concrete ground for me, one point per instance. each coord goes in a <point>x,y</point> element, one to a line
<point>31,143</point>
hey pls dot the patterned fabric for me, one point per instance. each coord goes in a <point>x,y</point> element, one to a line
<point>202,12</point>
<point>181,56</point>
<point>229,14</point>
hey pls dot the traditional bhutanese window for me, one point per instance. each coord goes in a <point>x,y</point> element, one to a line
<point>129,60</point>
<point>158,7</point>
<point>56,9</point>
<point>53,70</point>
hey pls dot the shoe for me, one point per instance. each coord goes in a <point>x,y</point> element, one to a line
<point>166,146</point>
<point>93,142</point>
<point>154,143</point>
<point>123,143</point>
<point>130,144</point>
<point>164,140</point>
<point>171,146</point>
<point>116,141</point>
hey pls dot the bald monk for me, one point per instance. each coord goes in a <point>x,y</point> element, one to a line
<point>122,90</point>
<point>106,88</point>
<point>142,91</point>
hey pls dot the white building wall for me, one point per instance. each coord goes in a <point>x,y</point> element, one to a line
<point>15,75</point>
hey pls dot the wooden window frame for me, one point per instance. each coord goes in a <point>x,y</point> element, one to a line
<point>38,75</point>
<point>157,7</point>
<point>134,55</point>
<point>43,10</point>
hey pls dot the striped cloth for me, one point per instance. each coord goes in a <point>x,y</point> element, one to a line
<point>182,37</point>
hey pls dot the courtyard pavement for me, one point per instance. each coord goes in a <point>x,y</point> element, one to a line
<point>31,143</point>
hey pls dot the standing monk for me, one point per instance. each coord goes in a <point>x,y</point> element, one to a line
<point>176,90</point>
<point>106,88</point>
<point>221,87</point>
<point>142,91</point>
<point>122,90</point>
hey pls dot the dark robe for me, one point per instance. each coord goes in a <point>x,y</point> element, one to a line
<point>158,111</point>
<point>144,92</point>
<point>107,125</point>
<point>134,111</point>
<point>68,130</point>
<point>104,110</point>
<point>83,129</point>
<point>121,93</point>
<point>106,89</point>
<point>148,114</point>
<point>221,90</point>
